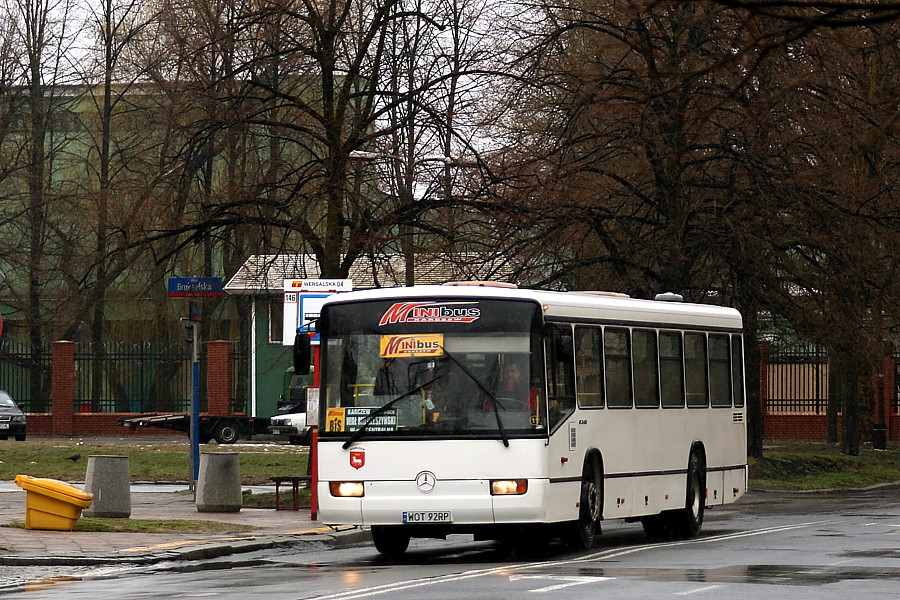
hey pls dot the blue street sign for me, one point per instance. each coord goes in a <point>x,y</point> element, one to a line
<point>195,287</point>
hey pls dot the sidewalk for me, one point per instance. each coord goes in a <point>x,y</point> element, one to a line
<point>255,529</point>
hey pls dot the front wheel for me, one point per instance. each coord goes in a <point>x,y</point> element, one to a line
<point>226,432</point>
<point>585,530</point>
<point>390,541</point>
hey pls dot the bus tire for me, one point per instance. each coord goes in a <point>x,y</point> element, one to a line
<point>690,520</point>
<point>585,530</point>
<point>390,541</point>
<point>226,432</point>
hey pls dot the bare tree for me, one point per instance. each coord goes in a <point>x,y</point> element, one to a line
<point>40,31</point>
<point>690,147</point>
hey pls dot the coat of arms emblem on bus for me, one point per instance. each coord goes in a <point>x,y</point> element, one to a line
<point>357,459</point>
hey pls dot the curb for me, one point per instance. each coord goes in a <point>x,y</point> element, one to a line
<point>337,537</point>
<point>870,488</point>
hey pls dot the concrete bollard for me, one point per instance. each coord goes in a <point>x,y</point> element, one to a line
<point>109,480</point>
<point>219,482</point>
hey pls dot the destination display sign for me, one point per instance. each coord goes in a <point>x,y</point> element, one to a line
<point>350,419</point>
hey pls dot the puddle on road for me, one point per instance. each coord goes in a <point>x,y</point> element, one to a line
<point>799,575</point>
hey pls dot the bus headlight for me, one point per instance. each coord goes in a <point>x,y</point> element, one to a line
<point>347,489</point>
<point>508,487</point>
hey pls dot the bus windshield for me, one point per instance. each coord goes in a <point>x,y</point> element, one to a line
<point>434,369</point>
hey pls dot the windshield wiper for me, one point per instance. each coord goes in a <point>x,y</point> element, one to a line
<point>384,407</point>
<point>491,397</point>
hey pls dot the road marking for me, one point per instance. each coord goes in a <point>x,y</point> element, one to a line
<point>570,581</point>
<point>507,569</point>
<point>707,588</point>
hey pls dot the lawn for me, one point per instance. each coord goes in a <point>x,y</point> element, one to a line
<point>810,466</point>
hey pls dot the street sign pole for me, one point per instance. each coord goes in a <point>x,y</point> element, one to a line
<point>195,408</point>
<point>194,287</point>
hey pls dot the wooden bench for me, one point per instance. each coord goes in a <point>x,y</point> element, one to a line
<point>295,481</point>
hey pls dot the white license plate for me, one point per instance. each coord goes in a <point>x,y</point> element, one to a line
<point>4,425</point>
<point>427,516</point>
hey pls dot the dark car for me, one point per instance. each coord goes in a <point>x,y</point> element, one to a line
<point>12,420</point>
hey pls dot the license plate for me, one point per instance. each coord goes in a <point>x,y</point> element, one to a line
<point>4,425</point>
<point>427,516</point>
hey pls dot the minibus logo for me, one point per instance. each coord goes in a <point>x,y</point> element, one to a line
<point>357,459</point>
<point>400,346</point>
<point>430,312</point>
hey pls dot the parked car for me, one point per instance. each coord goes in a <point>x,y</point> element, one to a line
<point>291,426</point>
<point>12,420</point>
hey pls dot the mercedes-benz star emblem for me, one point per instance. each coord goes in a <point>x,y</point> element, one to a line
<point>426,480</point>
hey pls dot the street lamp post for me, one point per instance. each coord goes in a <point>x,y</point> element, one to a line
<point>406,233</point>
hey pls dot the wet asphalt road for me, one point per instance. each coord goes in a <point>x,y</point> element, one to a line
<point>769,546</point>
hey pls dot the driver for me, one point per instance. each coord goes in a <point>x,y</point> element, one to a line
<point>512,383</point>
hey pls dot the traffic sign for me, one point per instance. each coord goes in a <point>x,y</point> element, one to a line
<point>195,287</point>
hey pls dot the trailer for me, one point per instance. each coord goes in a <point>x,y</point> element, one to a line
<point>225,429</point>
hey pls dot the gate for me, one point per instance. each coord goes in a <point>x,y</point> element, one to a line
<point>797,379</point>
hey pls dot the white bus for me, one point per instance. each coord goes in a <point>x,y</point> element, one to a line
<point>501,412</point>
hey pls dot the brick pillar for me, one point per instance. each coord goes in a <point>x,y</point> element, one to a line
<point>62,390</point>
<point>218,377</point>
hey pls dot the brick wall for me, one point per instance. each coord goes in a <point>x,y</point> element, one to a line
<point>813,427</point>
<point>63,388</point>
<point>65,421</point>
<point>218,377</point>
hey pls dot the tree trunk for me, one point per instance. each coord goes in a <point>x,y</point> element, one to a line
<point>753,383</point>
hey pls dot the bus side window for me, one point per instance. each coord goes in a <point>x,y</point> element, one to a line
<point>589,366</point>
<point>617,351</point>
<point>695,369</point>
<point>560,374</point>
<point>671,369</point>
<point>737,370</point>
<point>646,368</point>
<point>719,371</point>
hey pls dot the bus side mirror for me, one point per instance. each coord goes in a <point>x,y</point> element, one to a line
<point>302,353</point>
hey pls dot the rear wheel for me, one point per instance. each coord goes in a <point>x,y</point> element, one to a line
<point>685,522</point>
<point>226,432</point>
<point>390,541</point>
<point>690,520</point>
<point>20,438</point>
<point>585,530</point>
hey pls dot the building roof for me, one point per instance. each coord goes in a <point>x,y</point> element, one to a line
<point>263,274</point>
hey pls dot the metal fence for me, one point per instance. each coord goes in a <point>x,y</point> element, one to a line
<point>133,377</point>
<point>17,369</point>
<point>797,380</point>
<point>139,377</point>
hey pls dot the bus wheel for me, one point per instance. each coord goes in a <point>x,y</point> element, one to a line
<point>690,520</point>
<point>226,432</point>
<point>587,527</point>
<point>390,541</point>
